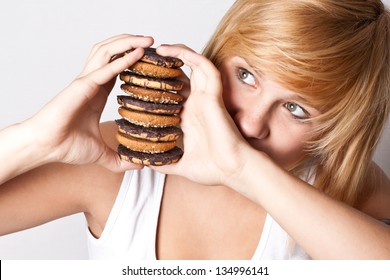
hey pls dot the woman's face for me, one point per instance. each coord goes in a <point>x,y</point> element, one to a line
<point>268,116</point>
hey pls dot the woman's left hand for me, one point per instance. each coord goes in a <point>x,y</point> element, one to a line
<point>67,129</point>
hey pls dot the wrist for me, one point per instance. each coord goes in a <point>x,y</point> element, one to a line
<point>34,145</point>
<point>256,174</point>
<point>20,150</point>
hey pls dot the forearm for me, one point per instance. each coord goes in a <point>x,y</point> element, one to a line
<point>19,151</point>
<point>324,227</point>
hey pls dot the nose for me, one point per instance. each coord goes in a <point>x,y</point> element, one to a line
<point>253,124</point>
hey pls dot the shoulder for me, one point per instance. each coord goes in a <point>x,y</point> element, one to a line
<point>378,204</point>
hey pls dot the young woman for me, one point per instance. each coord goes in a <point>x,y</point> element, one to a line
<point>282,116</point>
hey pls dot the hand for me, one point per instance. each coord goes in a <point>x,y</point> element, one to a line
<point>67,128</point>
<point>213,145</point>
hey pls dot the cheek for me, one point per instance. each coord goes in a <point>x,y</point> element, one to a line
<point>228,101</point>
<point>232,105</point>
<point>230,89</point>
<point>232,99</point>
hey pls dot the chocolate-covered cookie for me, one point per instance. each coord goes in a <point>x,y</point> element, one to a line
<point>151,107</point>
<point>155,134</point>
<point>152,95</point>
<point>143,145</point>
<point>168,157</point>
<point>151,56</point>
<point>148,119</point>
<point>151,70</point>
<point>149,82</point>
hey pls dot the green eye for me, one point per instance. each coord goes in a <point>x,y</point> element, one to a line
<point>246,77</point>
<point>296,110</point>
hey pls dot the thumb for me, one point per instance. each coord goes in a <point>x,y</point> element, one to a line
<point>111,160</point>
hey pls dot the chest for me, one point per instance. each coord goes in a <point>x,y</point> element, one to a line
<point>198,222</point>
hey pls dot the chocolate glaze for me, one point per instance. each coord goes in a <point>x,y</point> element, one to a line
<point>151,56</point>
<point>147,132</point>
<point>152,95</point>
<point>152,159</point>
<point>130,77</point>
<point>158,108</point>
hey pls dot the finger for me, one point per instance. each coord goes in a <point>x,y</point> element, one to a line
<point>108,41</point>
<point>109,71</point>
<point>204,77</point>
<point>185,91</point>
<point>113,162</point>
<point>105,51</point>
<point>104,42</point>
<point>189,56</point>
<point>85,88</point>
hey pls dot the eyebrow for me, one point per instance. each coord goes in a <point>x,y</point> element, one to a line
<point>305,103</point>
<point>300,98</point>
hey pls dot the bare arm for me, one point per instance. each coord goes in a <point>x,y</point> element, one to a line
<point>41,195</point>
<point>18,152</point>
<point>56,190</point>
<point>324,227</point>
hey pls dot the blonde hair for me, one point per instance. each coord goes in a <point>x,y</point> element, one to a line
<point>335,54</point>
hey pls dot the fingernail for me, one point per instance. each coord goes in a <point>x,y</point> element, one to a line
<point>143,36</point>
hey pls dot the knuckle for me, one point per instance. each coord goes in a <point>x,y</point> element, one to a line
<point>103,51</point>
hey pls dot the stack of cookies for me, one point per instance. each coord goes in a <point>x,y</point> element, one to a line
<point>149,128</point>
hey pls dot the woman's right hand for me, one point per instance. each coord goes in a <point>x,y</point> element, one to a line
<point>214,149</point>
<point>67,128</point>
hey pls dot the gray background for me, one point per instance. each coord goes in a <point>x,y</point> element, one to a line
<point>44,45</point>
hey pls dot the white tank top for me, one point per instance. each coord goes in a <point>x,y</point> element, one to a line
<point>131,228</point>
